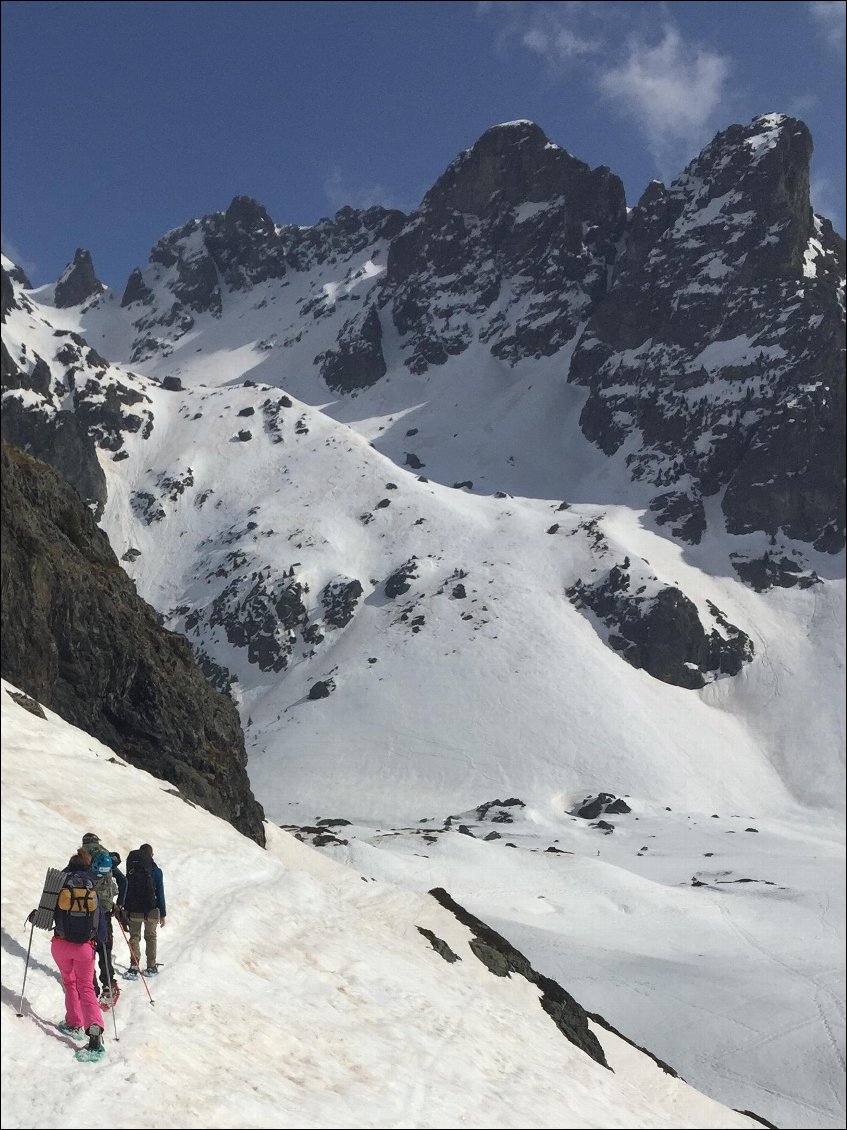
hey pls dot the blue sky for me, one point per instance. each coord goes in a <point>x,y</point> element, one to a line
<point>122,120</point>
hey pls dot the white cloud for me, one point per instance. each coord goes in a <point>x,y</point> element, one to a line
<point>829,15</point>
<point>802,104</point>
<point>340,190</point>
<point>669,87</point>
<point>824,195</point>
<point>671,90</point>
<point>13,252</point>
<point>563,34</point>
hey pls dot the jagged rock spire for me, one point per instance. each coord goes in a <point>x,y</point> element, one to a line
<point>78,282</point>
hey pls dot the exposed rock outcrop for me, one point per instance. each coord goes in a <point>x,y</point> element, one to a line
<point>503,960</point>
<point>720,343</point>
<point>511,245</point>
<point>76,636</point>
<point>358,362</point>
<point>59,438</point>
<point>78,282</point>
<point>656,627</point>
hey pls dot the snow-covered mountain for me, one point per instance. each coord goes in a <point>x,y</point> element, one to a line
<point>478,512</point>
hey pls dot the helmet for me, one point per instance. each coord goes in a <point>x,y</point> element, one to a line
<point>101,864</point>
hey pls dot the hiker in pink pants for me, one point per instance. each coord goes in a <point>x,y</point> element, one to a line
<point>76,964</point>
<point>78,925</point>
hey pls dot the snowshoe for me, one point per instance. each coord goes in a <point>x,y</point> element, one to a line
<point>90,1055</point>
<point>68,1030</point>
<point>95,1049</point>
<point>131,974</point>
<point>109,999</point>
<point>152,971</point>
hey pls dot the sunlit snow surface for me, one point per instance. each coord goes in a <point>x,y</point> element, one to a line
<point>293,992</point>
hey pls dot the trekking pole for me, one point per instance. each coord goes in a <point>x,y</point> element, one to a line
<point>111,990</point>
<point>31,920</point>
<point>132,961</point>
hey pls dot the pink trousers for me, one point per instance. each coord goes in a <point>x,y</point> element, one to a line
<point>76,964</point>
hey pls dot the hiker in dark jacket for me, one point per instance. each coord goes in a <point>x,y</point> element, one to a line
<point>120,879</point>
<point>76,965</point>
<point>144,905</point>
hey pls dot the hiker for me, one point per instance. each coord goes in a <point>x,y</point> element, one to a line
<point>78,926</point>
<point>144,905</point>
<point>107,890</point>
<point>120,879</point>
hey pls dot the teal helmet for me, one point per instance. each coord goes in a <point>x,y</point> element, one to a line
<point>101,864</point>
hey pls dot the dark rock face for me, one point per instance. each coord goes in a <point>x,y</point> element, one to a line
<point>261,612</point>
<point>358,362</point>
<point>62,441</point>
<point>323,688</point>
<point>192,277</point>
<point>29,704</point>
<point>18,275</point>
<point>7,294</point>
<point>660,630</point>
<point>136,290</point>
<point>244,245</point>
<point>238,249</point>
<point>514,221</point>
<point>78,638</point>
<point>349,231</point>
<point>721,341</point>
<point>401,579</point>
<point>686,516</point>
<point>503,960</point>
<point>439,945</point>
<point>340,598</point>
<point>595,806</point>
<point>78,282</point>
<point>66,430</point>
<point>770,571</point>
<point>58,438</point>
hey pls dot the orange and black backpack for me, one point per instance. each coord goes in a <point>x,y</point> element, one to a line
<point>77,909</point>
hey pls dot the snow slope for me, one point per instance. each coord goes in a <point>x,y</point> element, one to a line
<point>292,994</point>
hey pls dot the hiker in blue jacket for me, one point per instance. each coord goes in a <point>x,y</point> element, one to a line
<point>144,905</point>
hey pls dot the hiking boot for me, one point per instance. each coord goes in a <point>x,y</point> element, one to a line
<point>108,999</point>
<point>95,1037</point>
<point>69,1030</point>
<point>151,971</point>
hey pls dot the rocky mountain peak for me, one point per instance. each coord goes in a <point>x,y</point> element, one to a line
<point>78,282</point>
<point>763,169</point>
<point>515,164</point>
<point>136,289</point>
<point>247,215</point>
<point>702,344</point>
<point>244,244</point>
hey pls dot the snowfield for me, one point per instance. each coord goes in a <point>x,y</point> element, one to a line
<point>294,992</point>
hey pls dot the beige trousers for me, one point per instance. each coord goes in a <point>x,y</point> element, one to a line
<point>150,922</point>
